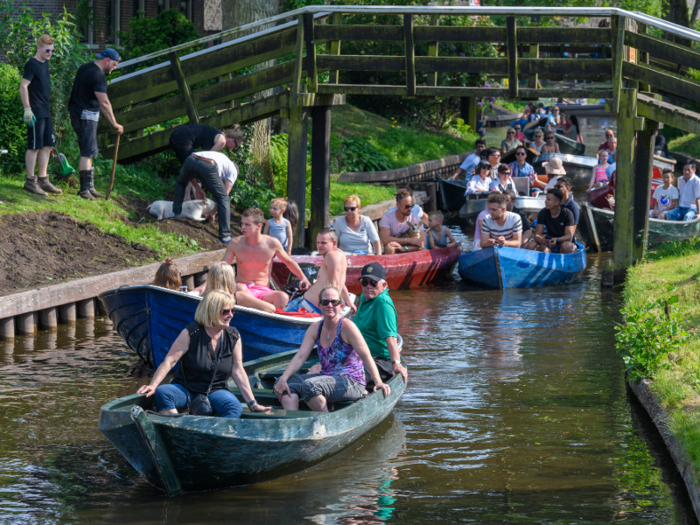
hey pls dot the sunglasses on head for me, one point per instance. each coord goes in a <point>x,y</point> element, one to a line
<point>350,208</point>
<point>369,282</point>
<point>228,311</point>
<point>332,302</point>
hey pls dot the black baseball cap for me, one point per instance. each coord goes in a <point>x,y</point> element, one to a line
<point>374,271</point>
<point>110,53</point>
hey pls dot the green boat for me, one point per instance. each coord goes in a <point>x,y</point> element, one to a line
<point>566,145</point>
<point>193,453</point>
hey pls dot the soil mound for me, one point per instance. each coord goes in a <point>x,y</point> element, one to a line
<point>38,249</point>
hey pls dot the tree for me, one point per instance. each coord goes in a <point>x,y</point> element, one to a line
<point>235,14</point>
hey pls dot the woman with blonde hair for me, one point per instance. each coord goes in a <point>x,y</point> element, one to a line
<point>356,233</point>
<point>221,277</point>
<point>209,352</point>
<point>168,276</point>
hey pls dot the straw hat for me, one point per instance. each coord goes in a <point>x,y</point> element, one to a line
<point>554,166</point>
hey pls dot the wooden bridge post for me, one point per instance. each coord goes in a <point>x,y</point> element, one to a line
<point>623,234</point>
<point>298,128</point>
<point>643,173</point>
<point>410,54</point>
<point>335,50</point>
<point>512,57</point>
<point>618,55</point>
<point>433,51</point>
<point>467,111</point>
<point>312,82</point>
<point>184,88</point>
<point>320,170</point>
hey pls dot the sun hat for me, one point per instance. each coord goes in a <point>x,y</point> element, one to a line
<point>555,166</point>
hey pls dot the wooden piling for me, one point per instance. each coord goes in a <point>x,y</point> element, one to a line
<point>431,188</point>
<point>48,319</point>
<point>320,170</point>
<point>467,111</point>
<point>200,278</point>
<point>67,313</point>
<point>25,324</point>
<point>85,309</point>
<point>643,173</point>
<point>189,282</point>
<point>7,328</point>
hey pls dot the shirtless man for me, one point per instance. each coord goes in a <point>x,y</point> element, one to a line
<point>254,253</point>
<point>332,273</point>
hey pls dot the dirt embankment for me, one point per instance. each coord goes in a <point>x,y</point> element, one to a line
<point>40,249</point>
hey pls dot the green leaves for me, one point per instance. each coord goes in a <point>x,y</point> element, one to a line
<point>361,154</point>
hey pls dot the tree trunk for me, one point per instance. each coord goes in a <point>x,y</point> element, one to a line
<point>694,15</point>
<point>677,13</point>
<point>237,13</point>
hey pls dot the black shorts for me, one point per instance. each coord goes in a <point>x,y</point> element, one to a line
<point>87,136</point>
<point>386,371</point>
<point>40,135</point>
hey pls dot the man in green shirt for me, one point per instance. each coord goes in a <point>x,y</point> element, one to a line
<point>377,320</point>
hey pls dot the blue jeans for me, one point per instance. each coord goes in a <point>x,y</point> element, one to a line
<point>299,303</point>
<point>173,396</point>
<point>681,214</point>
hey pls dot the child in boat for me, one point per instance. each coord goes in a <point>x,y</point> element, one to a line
<point>439,236</point>
<point>600,176</point>
<point>666,196</point>
<point>279,227</point>
<point>168,276</point>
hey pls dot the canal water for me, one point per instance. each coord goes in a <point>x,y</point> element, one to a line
<point>516,411</point>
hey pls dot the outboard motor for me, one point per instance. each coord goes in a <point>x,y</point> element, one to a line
<point>292,287</point>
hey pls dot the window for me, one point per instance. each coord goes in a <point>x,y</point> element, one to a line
<point>87,36</point>
<point>112,21</point>
<point>138,5</point>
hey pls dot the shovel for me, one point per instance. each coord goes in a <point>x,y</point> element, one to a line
<point>114,168</point>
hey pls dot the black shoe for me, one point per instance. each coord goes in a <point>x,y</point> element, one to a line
<point>93,191</point>
<point>85,185</point>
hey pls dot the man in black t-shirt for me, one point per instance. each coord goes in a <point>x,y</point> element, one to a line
<point>87,98</point>
<point>564,185</point>
<point>185,140</point>
<point>555,226</point>
<point>35,92</point>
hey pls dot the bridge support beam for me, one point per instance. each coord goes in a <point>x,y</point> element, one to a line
<point>296,166</point>
<point>320,170</point>
<point>467,111</point>
<point>643,173</point>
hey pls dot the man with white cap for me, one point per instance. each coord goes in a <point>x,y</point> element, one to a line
<point>87,98</point>
<point>554,168</point>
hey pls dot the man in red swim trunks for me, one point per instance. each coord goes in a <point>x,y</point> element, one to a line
<point>254,253</point>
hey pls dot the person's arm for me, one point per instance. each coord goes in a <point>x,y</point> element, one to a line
<point>516,241</point>
<point>298,360</point>
<point>199,192</point>
<point>457,173</point>
<point>423,240</point>
<point>347,300</point>
<point>177,350</point>
<point>228,186</point>
<point>352,335</point>
<point>486,240</point>
<point>292,265</point>
<point>219,142</point>
<point>539,237</point>
<point>556,147</point>
<point>290,238</point>
<point>24,92</point>
<point>266,228</point>
<point>106,107</point>
<point>429,240</point>
<point>373,236</point>
<point>241,379</point>
<point>392,345</point>
<point>385,236</point>
<point>593,175</point>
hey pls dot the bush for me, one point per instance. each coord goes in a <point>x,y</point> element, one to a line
<point>13,136</point>
<point>361,154</point>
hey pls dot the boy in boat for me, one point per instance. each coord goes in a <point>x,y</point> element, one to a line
<point>559,224</point>
<point>689,201</point>
<point>666,196</point>
<point>501,227</point>
<point>564,185</point>
<point>438,236</point>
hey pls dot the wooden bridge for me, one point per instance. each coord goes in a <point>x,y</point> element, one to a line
<point>221,85</point>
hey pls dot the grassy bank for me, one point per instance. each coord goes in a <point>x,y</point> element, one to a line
<point>652,287</point>
<point>688,144</point>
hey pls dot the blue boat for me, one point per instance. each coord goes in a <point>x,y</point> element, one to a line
<point>500,268</point>
<point>150,318</point>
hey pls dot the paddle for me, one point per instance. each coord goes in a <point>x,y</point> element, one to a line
<point>114,168</point>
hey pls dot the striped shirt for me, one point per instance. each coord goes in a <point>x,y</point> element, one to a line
<point>511,226</point>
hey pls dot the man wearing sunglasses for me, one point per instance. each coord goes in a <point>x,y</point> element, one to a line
<point>34,91</point>
<point>470,163</point>
<point>395,223</point>
<point>185,140</point>
<point>377,320</point>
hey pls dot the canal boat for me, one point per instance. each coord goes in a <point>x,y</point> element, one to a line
<point>452,193</point>
<point>566,145</point>
<point>602,223</point>
<point>583,110</point>
<point>149,318</point>
<point>500,268</point>
<point>403,270</point>
<point>475,204</point>
<point>193,453</point>
<point>579,168</point>
<point>663,163</point>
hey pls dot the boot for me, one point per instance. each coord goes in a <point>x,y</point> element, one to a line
<point>93,191</point>
<point>45,184</point>
<point>85,185</point>
<point>31,186</point>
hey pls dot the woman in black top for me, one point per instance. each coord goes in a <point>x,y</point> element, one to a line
<point>209,351</point>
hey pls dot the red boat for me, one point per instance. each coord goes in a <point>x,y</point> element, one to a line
<point>598,197</point>
<point>403,270</point>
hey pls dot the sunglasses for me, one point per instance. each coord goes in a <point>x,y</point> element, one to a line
<point>550,138</point>
<point>333,302</point>
<point>49,50</point>
<point>504,172</point>
<point>517,129</point>
<point>407,206</point>
<point>228,311</point>
<point>369,282</point>
<point>350,208</point>
<point>511,133</point>
<point>521,154</point>
<point>497,155</point>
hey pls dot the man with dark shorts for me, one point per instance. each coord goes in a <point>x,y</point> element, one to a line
<point>87,98</point>
<point>34,91</point>
<point>185,140</point>
<point>558,223</point>
<point>564,185</point>
<point>377,320</point>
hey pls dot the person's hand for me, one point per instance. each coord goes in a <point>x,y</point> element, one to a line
<point>304,284</point>
<point>490,242</point>
<point>29,118</point>
<point>415,242</point>
<point>257,407</point>
<point>119,128</point>
<point>395,245</point>
<point>281,388</point>
<point>383,386</point>
<point>501,241</point>
<point>398,368</point>
<point>149,390</point>
<point>200,195</point>
<point>316,369</point>
<point>353,308</point>
<point>551,242</point>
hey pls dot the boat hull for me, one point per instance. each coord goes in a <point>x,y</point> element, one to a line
<point>192,453</point>
<point>527,205</point>
<point>403,270</point>
<point>566,145</point>
<point>150,318</point>
<point>500,268</point>
<point>452,194</point>
<point>579,168</point>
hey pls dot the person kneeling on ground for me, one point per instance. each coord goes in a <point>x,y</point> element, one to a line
<point>559,223</point>
<point>445,238</point>
<point>168,276</point>
<point>500,227</point>
<point>510,206</point>
<point>209,352</point>
<point>342,377</point>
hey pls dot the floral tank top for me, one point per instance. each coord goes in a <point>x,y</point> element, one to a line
<point>340,358</point>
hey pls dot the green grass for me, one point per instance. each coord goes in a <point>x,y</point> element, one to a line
<point>367,193</point>
<point>678,384</point>
<point>688,144</point>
